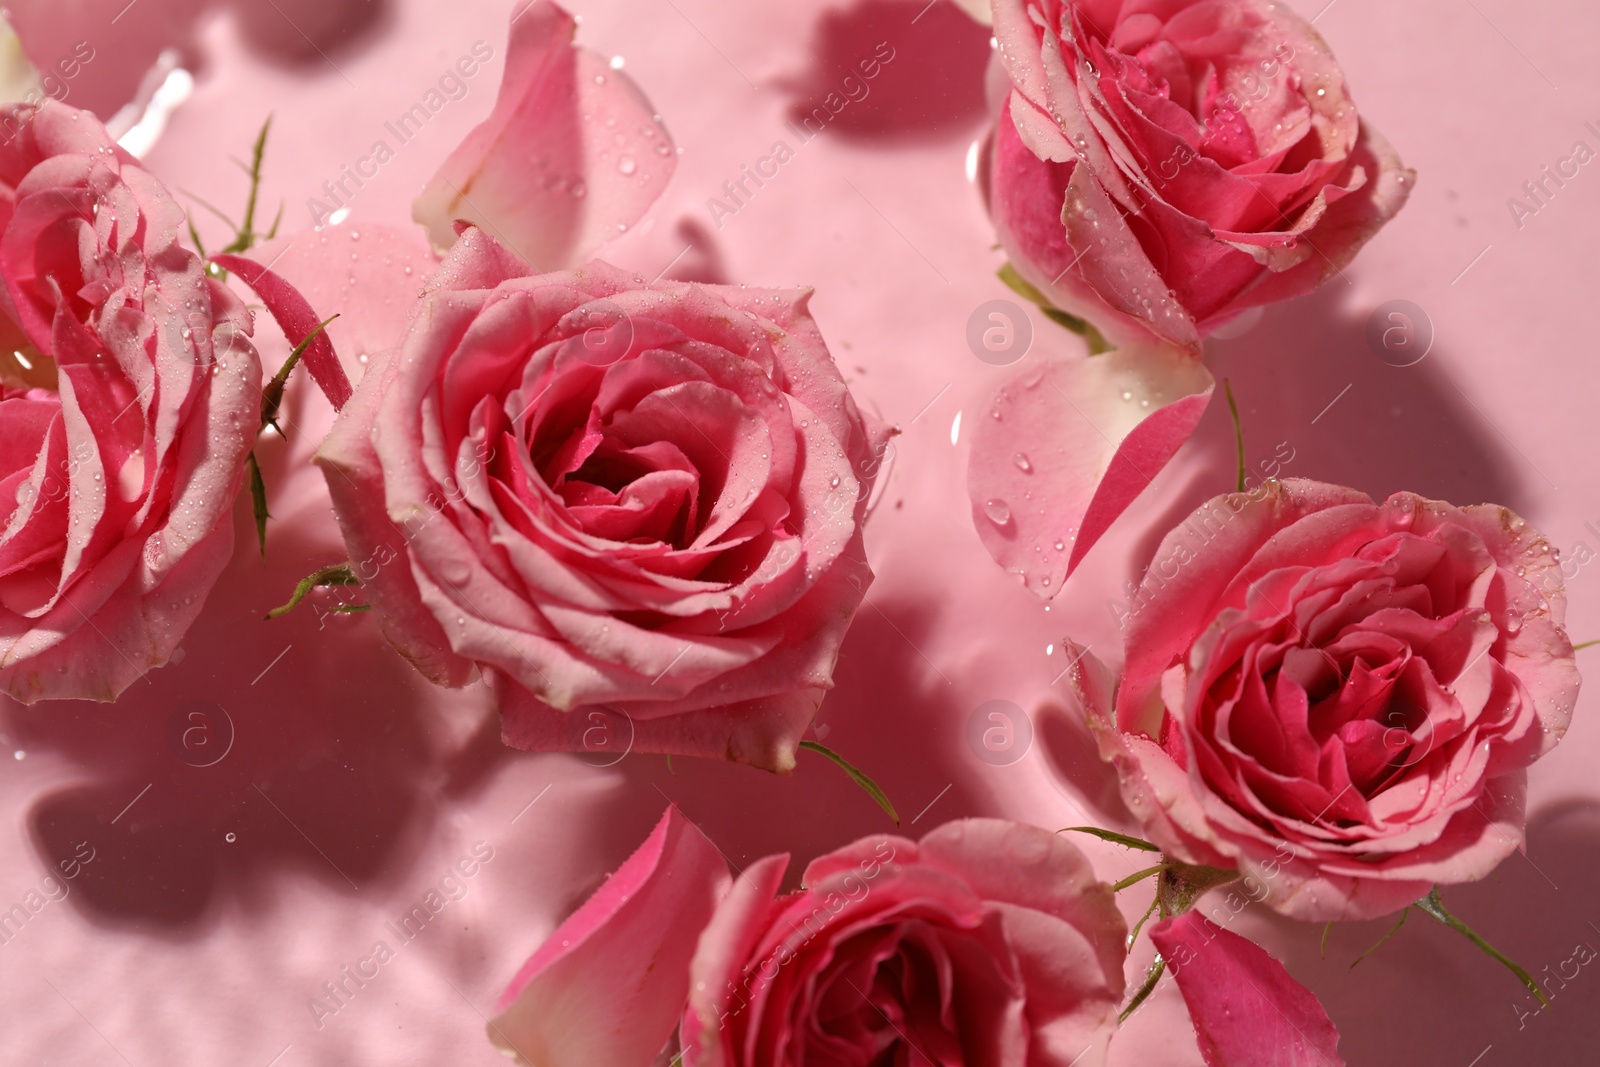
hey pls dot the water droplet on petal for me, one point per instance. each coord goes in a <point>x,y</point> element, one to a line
<point>998,511</point>
<point>1022,462</point>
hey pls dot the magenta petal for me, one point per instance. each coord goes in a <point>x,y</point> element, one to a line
<point>572,155</point>
<point>1245,1008</point>
<point>297,319</point>
<point>611,983</point>
<point>1066,448</point>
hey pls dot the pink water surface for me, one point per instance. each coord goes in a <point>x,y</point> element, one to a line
<point>220,899</point>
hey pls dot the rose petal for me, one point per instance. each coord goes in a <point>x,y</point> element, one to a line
<point>1066,447</point>
<point>368,275</point>
<point>726,943</point>
<point>544,173</point>
<point>1245,1007</point>
<point>610,984</point>
<point>297,319</point>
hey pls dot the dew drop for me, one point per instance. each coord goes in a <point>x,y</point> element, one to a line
<point>626,165</point>
<point>998,511</point>
<point>230,838</point>
<point>456,572</point>
<point>19,754</point>
<point>1513,622</point>
<point>1022,462</point>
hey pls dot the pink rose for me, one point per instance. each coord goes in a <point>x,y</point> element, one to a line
<point>635,507</point>
<point>1338,698</point>
<point>985,942</point>
<point>1162,165</point>
<point>124,421</point>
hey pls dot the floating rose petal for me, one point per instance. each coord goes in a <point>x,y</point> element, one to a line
<point>1245,1007</point>
<point>1095,432</point>
<point>611,982</point>
<point>572,155</point>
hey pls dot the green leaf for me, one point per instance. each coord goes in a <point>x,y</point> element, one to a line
<point>1395,929</point>
<point>856,776</point>
<point>258,497</point>
<point>1435,907</point>
<point>1082,327</point>
<point>272,395</point>
<point>331,575</point>
<point>1112,836</point>
<point>1238,431</point>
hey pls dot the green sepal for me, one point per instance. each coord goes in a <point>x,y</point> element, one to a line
<point>1238,431</point>
<point>856,775</point>
<point>1435,907</point>
<point>1395,929</point>
<point>245,235</point>
<point>1112,836</point>
<point>332,575</point>
<point>272,394</point>
<point>258,500</point>
<point>1151,979</point>
<point>1082,327</point>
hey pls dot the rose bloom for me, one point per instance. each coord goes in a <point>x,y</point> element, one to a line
<point>125,413</point>
<point>985,942</point>
<point>636,508</point>
<point>1162,165</point>
<point>1339,698</point>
